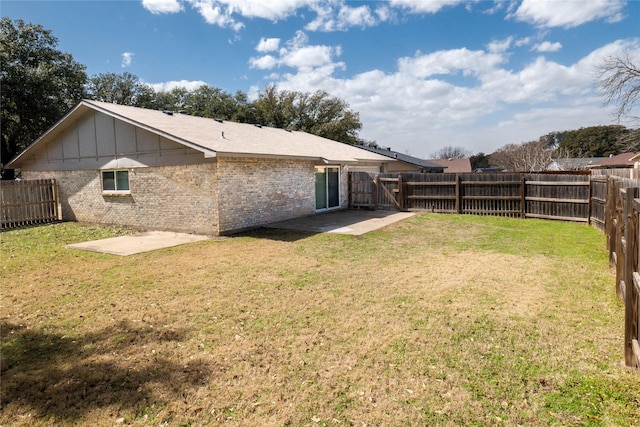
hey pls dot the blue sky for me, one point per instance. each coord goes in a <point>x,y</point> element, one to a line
<point>423,74</point>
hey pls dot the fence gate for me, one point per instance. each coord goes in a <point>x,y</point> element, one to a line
<point>389,193</point>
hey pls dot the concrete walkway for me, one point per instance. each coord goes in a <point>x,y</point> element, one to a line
<point>138,243</point>
<point>352,222</point>
<point>341,222</point>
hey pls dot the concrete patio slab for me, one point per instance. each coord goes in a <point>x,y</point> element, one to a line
<point>352,222</point>
<point>138,243</point>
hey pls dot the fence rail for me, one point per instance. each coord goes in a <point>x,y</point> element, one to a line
<point>28,202</point>
<point>548,196</point>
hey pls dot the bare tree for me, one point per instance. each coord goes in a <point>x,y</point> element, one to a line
<point>619,83</point>
<point>530,156</point>
<point>450,152</point>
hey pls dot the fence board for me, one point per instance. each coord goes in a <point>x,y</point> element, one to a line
<point>564,197</point>
<point>29,202</point>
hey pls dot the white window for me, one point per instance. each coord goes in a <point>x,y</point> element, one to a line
<point>116,181</point>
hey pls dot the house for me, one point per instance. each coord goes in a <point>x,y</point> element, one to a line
<point>624,160</point>
<point>454,165</point>
<point>405,162</point>
<point>160,170</point>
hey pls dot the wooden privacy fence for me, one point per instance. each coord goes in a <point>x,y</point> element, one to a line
<point>28,202</point>
<point>622,231</point>
<point>550,196</point>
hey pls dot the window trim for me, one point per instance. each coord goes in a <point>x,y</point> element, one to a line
<point>115,191</point>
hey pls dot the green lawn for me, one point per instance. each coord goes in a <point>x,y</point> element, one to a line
<point>438,320</point>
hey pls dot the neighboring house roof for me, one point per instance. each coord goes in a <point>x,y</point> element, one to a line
<point>215,137</point>
<point>624,160</point>
<point>454,165</point>
<point>387,152</point>
<point>574,163</point>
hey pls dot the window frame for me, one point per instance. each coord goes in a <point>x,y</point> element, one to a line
<point>115,191</point>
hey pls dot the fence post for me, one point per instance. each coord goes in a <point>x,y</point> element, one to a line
<point>56,200</point>
<point>523,197</point>
<point>376,190</point>
<point>401,203</point>
<point>458,195</point>
<point>630,265</point>
<point>590,201</point>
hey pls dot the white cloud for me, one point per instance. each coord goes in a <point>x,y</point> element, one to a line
<point>213,13</point>
<point>548,47</point>
<point>424,103</point>
<point>127,57</point>
<point>331,15</point>
<point>162,6</point>
<point>568,14</point>
<point>331,18</point>
<point>266,62</point>
<point>297,54</point>
<point>226,13</point>
<point>425,6</point>
<point>268,45</point>
<point>168,86</point>
<point>340,15</point>
<point>499,46</point>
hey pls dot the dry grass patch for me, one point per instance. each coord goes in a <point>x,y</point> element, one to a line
<point>438,320</point>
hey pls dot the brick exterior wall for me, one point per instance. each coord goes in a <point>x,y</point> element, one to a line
<point>254,192</point>
<point>249,193</point>
<point>177,198</point>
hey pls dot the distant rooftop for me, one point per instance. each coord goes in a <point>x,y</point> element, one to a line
<point>426,164</point>
<point>454,165</point>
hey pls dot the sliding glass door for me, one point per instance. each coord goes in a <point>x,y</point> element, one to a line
<point>327,187</point>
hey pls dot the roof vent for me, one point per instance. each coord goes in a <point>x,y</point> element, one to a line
<point>168,112</point>
<point>184,112</point>
<point>257,125</point>
<point>288,130</point>
<point>217,120</point>
<point>222,135</point>
<point>388,148</point>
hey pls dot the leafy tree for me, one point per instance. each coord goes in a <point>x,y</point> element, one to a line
<point>275,108</point>
<point>450,152</point>
<point>317,113</point>
<point>619,83</point>
<point>246,111</point>
<point>320,114</point>
<point>123,89</point>
<point>39,83</point>
<point>553,139</point>
<point>480,160</point>
<point>207,101</point>
<point>175,100</point>
<point>593,141</point>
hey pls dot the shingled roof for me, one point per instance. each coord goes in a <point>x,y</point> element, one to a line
<point>215,137</point>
